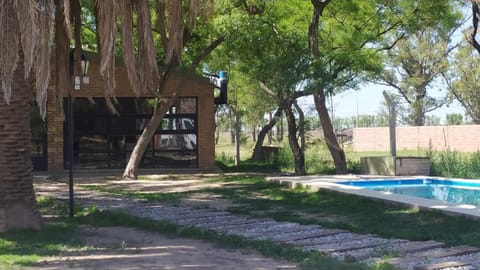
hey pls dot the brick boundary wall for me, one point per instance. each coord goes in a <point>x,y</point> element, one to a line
<point>464,138</point>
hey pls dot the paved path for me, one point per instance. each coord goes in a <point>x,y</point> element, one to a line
<point>344,245</point>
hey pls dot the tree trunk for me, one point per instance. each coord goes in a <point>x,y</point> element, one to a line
<point>237,129</point>
<point>280,131</point>
<point>417,116</point>
<point>298,154</point>
<point>301,125</point>
<point>269,134</point>
<point>18,209</point>
<point>217,134</point>
<point>337,153</point>
<point>145,138</point>
<point>257,151</point>
<point>232,125</point>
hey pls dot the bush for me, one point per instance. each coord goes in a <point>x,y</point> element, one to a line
<point>283,159</point>
<point>454,164</point>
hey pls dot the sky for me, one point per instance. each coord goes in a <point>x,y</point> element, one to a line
<point>368,100</point>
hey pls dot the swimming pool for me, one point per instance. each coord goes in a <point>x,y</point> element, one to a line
<point>453,191</point>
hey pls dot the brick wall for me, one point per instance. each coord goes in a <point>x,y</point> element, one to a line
<point>465,138</point>
<point>180,83</point>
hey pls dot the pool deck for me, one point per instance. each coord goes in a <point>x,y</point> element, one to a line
<point>327,182</point>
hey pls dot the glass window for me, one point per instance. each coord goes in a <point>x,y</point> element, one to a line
<point>105,140</point>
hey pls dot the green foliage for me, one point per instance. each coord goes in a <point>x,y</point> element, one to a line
<point>464,80</point>
<point>454,119</point>
<point>412,68</point>
<point>455,164</point>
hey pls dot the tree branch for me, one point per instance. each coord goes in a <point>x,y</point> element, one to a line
<point>475,14</point>
<point>196,61</point>
<point>318,7</point>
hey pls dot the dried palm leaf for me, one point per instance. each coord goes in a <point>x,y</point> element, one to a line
<point>192,15</point>
<point>29,12</point>
<point>62,50</point>
<point>146,64</point>
<point>127,44</point>
<point>106,30</point>
<point>9,42</point>
<point>42,60</point>
<point>175,42</point>
<point>161,23</point>
<point>66,15</point>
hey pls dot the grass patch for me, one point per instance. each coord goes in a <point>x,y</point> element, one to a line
<point>24,248</point>
<point>256,197</point>
<point>171,197</point>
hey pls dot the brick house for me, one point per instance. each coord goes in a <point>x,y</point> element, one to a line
<point>103,140</point>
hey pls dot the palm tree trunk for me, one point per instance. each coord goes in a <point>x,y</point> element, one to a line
<point>18,208</point>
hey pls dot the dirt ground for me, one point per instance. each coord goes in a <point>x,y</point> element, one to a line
<point>132,249</point>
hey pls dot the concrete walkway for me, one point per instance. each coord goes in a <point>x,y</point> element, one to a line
<point>341,244</point>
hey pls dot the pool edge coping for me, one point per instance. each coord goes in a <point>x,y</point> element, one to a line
<point>325,182</point>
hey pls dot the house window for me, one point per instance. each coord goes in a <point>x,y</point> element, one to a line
<point>104,140</point>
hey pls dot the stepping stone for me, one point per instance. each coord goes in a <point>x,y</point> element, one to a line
<point>220,221</point>
<point>357,255</point>
<point>300,240</point>
<point>289,233</point>
<point>200,217</point>
<point>249,224</point>
<point>262,229</point>
<point>329,237</point>
<point>215,219</point>
<point>343,246</point>
<point>444,265</point>
<point>466,261</point>
<point>447,252</point>
<point>415,246</point>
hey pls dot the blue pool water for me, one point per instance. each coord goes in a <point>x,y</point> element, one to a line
<point>454,191</point>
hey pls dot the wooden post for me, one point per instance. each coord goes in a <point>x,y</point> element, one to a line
<point>392,122</point>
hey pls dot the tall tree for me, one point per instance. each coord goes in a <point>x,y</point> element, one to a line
<point>463,80</point>
<point>414,65</point>
<point>274,54</point>
<point>346,41</point>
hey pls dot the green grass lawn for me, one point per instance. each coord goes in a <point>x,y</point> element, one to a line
<point>254,196</point>
<point>25,248</point>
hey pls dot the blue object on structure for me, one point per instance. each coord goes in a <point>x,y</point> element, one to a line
<point>222,98</point>
<point>222,75</point>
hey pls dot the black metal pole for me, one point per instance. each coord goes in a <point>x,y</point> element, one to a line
<point>70,154</point>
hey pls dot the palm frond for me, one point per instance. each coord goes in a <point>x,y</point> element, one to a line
<point>176,26</point>
<point>127,44</point>
<point>106,30</point>
<point>9,42</point>
<point>146,65</point>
